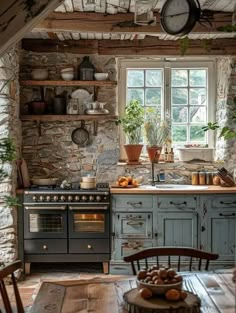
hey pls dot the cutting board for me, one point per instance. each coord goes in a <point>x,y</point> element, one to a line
<point>25,174</point>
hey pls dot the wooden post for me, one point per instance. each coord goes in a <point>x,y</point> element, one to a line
<point>19,17</point>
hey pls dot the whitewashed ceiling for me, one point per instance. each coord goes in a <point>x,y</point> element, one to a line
<point>127,6</point>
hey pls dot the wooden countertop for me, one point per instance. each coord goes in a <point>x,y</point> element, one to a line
<point>139,190</point>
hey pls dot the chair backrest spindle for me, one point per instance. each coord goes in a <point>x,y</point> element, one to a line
<point>191,253</point>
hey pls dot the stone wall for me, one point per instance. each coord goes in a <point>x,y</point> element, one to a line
<point>54,148</point>
<point>9,127</point>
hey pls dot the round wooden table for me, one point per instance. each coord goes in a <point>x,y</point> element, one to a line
<point>134,303</point>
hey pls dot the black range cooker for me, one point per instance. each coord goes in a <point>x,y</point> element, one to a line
<point>67,225</point>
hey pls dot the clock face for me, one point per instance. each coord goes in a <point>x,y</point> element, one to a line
<point>178,16</point>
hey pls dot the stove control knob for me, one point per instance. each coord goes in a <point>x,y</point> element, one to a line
<point>91,198</point>
<point>98,198</point>
<point>41,198</point>
<point>35,198</point>
<point>55,198</point>
<point>76,198</point>
<point>70,198</point>
<point>63,198</point>
<point>84,198</point>
<point>48,198</point>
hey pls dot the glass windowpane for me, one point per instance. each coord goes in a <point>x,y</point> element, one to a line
<point>197,114</point>
<point>179,133</point>
<point>137,94</point>
<point>135,78</point>
<point>179,96</point>
<point>153,96</point>
<point>153,78</point>
<point>198,96</point>
<point>197,77</point>
<point>180,114</point>
<point>179,78</point>
<point>197,134</point>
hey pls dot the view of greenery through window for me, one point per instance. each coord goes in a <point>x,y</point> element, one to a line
<point>188,99</point>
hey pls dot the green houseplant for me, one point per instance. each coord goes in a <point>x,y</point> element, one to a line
<point>132,123</point>
<point>157,133</point>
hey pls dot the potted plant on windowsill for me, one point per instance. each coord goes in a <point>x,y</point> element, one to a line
<point>132,123</point>
<point>157,132</point>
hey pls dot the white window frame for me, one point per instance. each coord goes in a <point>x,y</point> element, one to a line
<point>166,64</point>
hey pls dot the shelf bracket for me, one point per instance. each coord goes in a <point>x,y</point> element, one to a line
<point>95,128</point>
<point>39,128</point>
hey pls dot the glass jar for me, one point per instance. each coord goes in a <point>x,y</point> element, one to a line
<point>209,178</point>
<point>195,178</point>
<point>86,69</point>
<point>202,178</point>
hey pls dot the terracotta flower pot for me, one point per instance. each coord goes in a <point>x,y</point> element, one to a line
<point>133,153</point>
<point>154,153</point>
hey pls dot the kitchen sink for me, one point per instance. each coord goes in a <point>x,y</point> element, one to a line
<point>174,187</point>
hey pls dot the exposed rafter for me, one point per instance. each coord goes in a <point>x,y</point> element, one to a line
<point>147,46</point>
<point>18,17</point>
<point>117,23</point>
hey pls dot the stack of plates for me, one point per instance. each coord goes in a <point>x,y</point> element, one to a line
<point>97,111</point>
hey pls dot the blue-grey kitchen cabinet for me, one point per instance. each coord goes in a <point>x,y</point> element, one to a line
<point>220,237</point>
<point>140,221</point>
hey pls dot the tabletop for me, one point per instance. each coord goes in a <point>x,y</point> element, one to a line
<point>105,295</point>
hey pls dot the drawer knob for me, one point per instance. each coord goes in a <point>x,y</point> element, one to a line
<point>89,247</point>
<point>45,247</point>
<point>178,203</point>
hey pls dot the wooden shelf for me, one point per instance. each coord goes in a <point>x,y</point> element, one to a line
<point>64,118</point>
<point>99,83</point>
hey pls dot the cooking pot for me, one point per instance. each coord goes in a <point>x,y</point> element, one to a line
<point>44,181</point>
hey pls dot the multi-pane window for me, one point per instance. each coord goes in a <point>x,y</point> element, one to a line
<point>182,90</point>
<point>189,105</point>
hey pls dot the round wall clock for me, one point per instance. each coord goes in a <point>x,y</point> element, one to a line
<point>179,16</point>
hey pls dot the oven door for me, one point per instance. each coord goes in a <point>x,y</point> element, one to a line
<point>45,221</point>
<point>89,221</point>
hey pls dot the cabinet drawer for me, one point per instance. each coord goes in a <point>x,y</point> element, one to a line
<point>45,246</point>
<point>177,203</point>
<point>133,202</point>
<point>223,202</point>
<point>89,246</point>
<point>129,247</point>
<point>133,225</point>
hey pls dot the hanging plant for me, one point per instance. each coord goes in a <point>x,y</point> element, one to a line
<point>183,45</point>
<point>227,28</point>
<point>225,132</point>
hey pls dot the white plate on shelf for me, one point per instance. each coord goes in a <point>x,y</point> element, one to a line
<point>81,94</point>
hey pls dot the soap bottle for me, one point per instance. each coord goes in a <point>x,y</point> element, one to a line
<point>162,175</point>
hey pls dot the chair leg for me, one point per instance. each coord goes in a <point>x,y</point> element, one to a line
<point>19,304</point>
<point>5,298</point>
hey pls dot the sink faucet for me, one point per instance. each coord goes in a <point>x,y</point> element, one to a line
<point>160,177</point>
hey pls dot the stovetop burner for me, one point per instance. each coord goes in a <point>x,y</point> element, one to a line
<point>99,186</point>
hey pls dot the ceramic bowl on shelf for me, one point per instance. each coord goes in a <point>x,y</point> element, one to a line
<point>101,76</point>
<point>67,76</point>
<point>39,73</point>
<point>67,69</point>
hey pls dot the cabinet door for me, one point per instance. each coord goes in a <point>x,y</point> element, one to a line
<point>177,229</point>
<point>127,247</point>
<point>221,234</point>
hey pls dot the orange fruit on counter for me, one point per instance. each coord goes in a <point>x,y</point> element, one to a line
<point>172,295</point>
<point>145,293</point>
<point>124,183</point>
<point>134,182</point>
<point>129,178</point>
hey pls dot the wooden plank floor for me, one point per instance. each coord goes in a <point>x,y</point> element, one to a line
<point>29,284</point>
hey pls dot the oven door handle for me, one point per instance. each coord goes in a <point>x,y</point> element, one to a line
<point>59,207</point>
<point>94,208</point>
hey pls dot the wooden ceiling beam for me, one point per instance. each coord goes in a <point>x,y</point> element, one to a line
<point>147,46</point>
<point>19,17</point>
<point>117,23</point>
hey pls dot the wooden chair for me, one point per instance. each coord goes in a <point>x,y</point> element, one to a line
<point>144,256</point>
<point>4,272</point>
